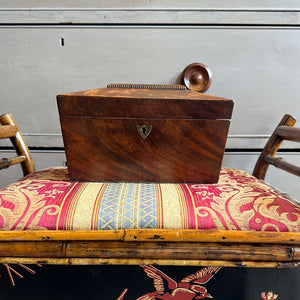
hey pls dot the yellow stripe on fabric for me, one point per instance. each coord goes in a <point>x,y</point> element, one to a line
<point>171,206</point>
<point>159,208</point>
<point>94,221</point>
<point>72,207</point>
<point>194,206</point>
<point>135,206</point>
<point>60,212</point>
<point>84,210</point>
<point>183,207</point>
<point>120,206</point>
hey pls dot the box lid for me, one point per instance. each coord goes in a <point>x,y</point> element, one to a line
<point>144,101</point>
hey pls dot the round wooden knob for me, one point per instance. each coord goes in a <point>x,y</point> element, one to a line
<point>196,77</point>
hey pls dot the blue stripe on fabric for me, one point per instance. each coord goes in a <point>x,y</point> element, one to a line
<point>128,205</point>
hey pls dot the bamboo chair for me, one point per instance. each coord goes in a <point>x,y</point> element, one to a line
<point>214,247</point>
<point>9,129</point>
<point>284,131</point>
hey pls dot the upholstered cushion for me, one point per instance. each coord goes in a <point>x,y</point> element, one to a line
<point>48,200</point>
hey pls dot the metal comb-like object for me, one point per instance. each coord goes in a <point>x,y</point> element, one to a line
<point>147,86</point>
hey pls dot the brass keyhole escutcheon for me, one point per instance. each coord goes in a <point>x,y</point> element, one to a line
<point>144,130</point>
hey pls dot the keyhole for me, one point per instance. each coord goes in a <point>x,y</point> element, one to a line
<point>144,130</point>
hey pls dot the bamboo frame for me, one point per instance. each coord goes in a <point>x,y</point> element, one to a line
<point>284,131</point>
<point>152,246</point>
<point>144,235</point>
<point>9,129</point>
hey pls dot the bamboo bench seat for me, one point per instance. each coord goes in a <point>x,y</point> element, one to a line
<point>239,221</point>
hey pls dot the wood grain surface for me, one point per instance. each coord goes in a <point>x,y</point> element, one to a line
<point>186,143</point>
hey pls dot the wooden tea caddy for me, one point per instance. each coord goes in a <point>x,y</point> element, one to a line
<point>144,133</point>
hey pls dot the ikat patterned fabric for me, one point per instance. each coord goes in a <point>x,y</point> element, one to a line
<point>48,200</point>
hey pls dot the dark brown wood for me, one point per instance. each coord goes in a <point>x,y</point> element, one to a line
<point>4,163</point>
<point>273,145</point>
<point>289,133</point>
<point>280,163</point>
<point>177,250</point>
<point>197,77</point>
<point>175,150</point>
<point>144,103</point>
<point>103,142</point>
<point>9,129</point>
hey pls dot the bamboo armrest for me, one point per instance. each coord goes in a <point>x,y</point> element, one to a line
<point>284,131</point>
<point>289,133</point>
<point>7,131</point>
<point>280,163</point>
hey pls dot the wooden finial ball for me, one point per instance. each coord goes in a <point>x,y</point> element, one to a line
<point>197,77</point>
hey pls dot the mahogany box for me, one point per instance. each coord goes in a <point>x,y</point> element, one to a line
<point>143,133</point>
